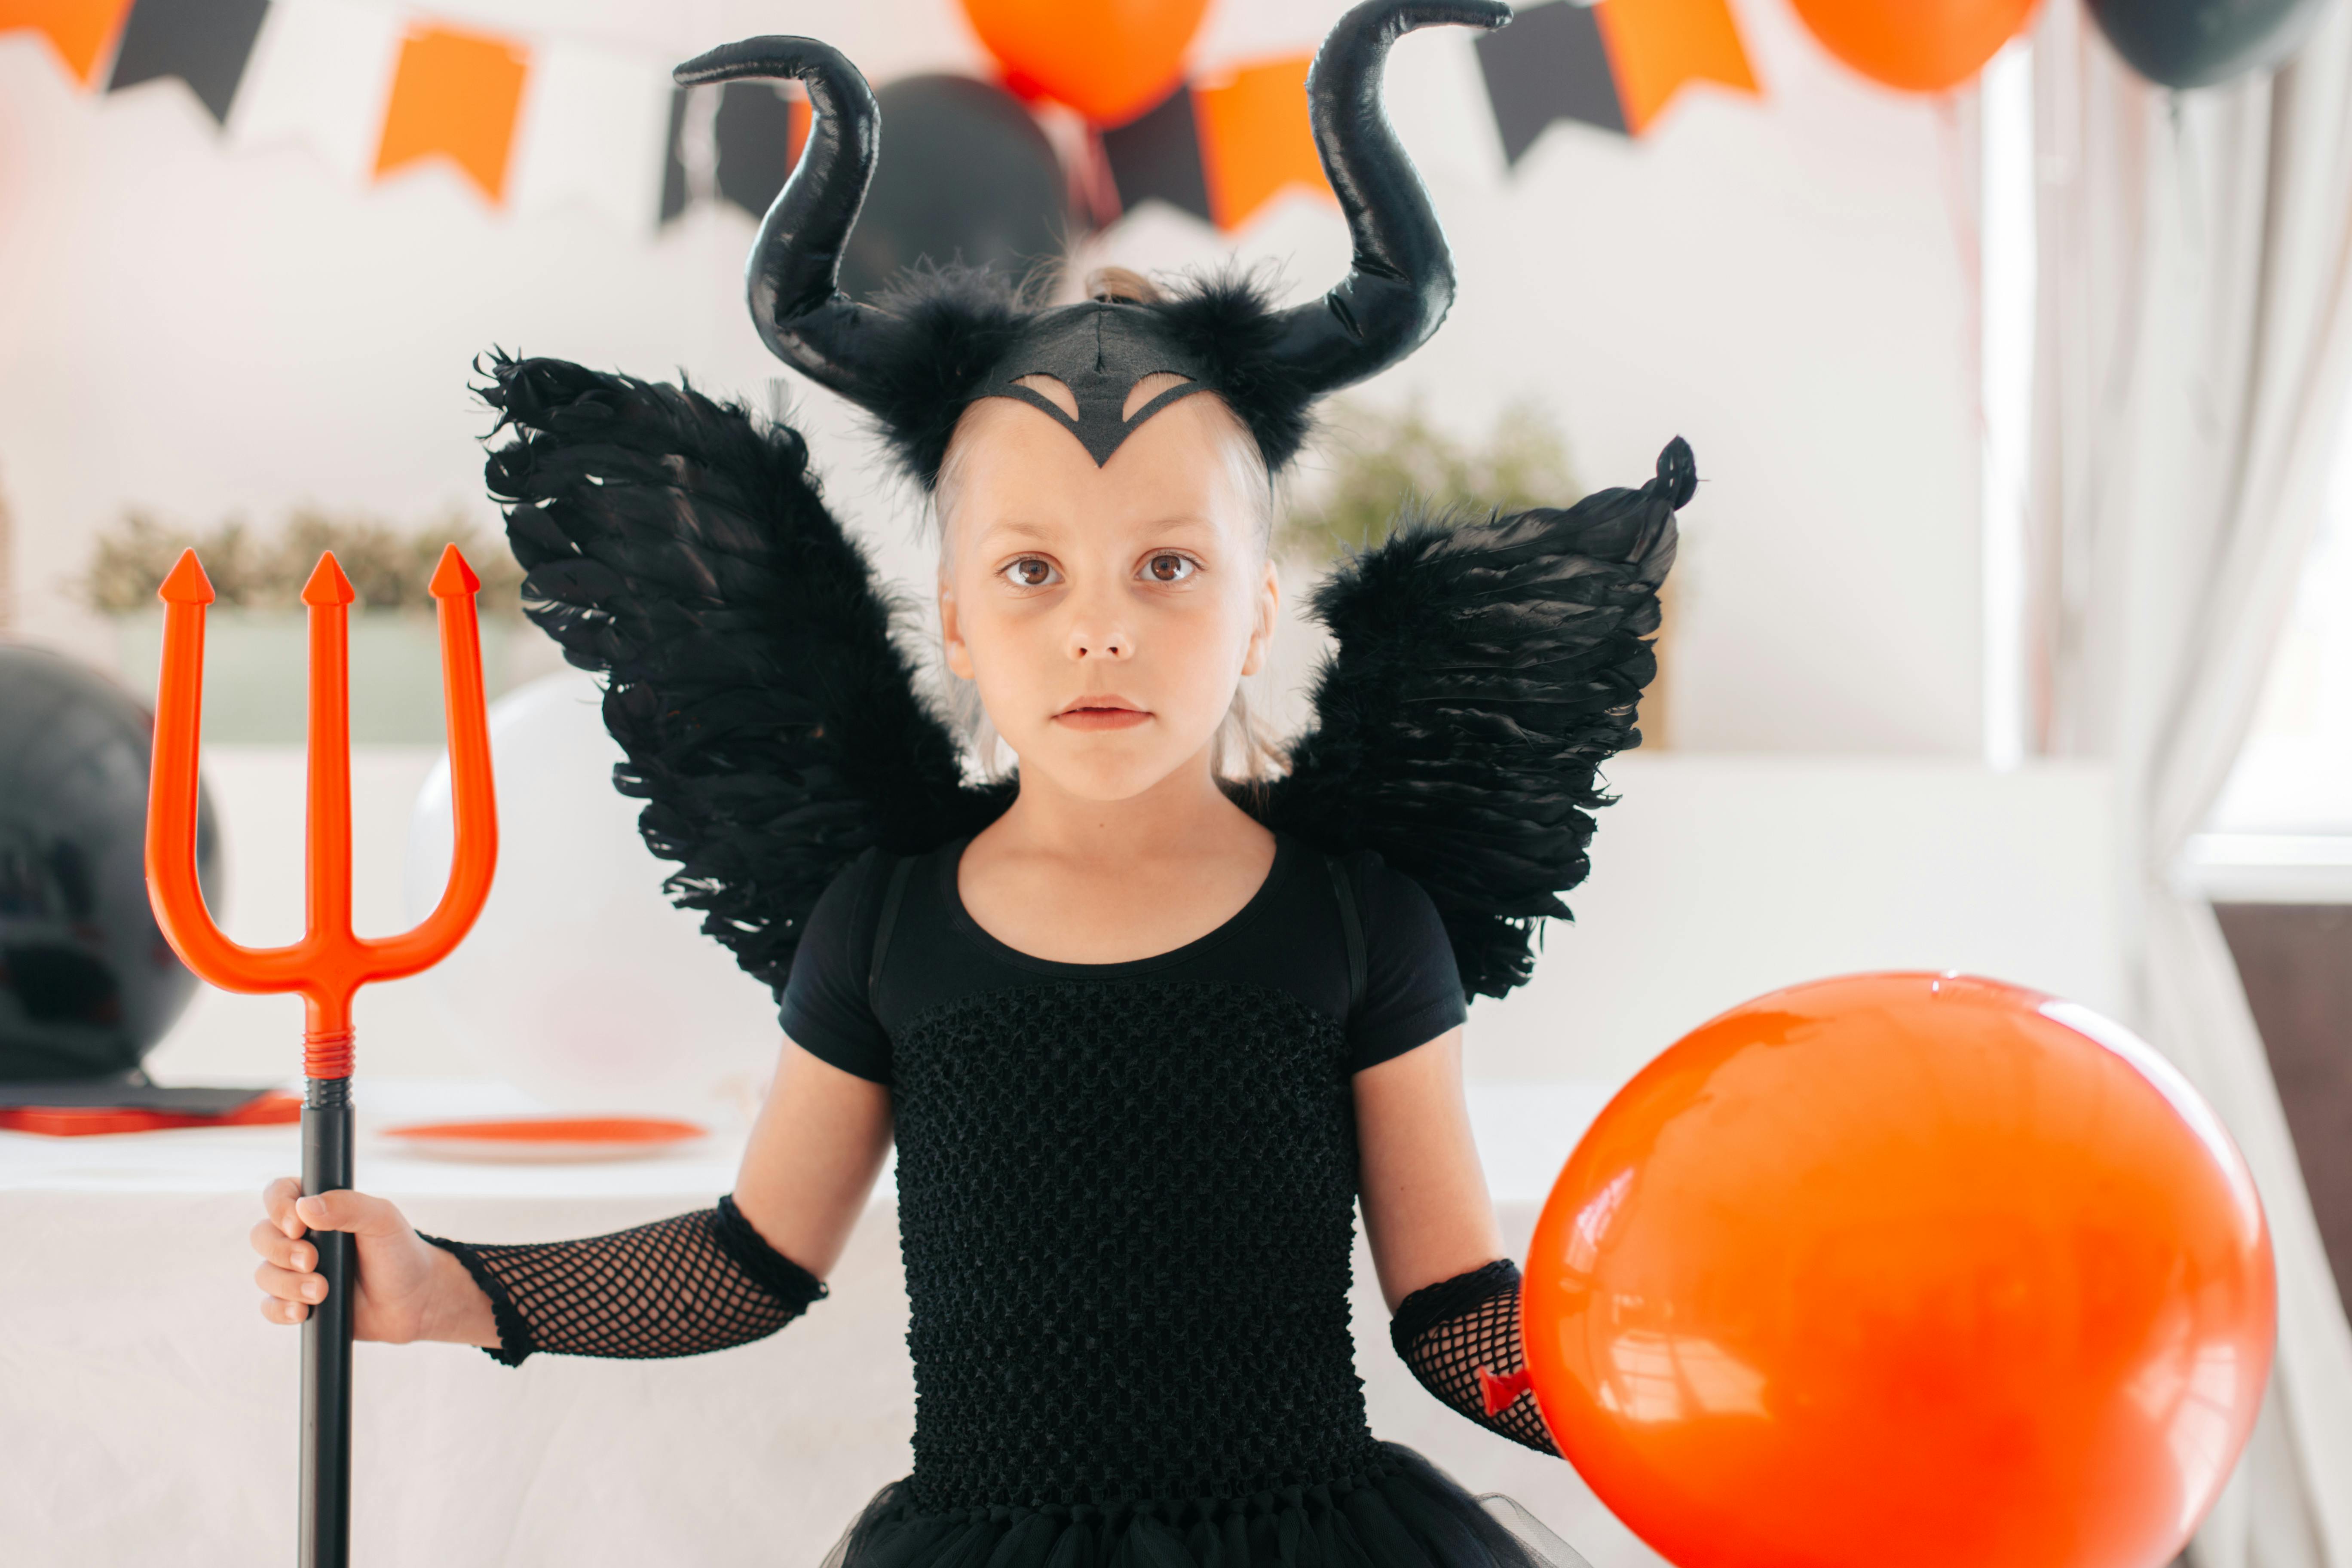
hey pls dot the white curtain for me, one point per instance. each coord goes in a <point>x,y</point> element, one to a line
<point>2194,345</point>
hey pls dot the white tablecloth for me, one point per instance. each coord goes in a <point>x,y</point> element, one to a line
<point>148,1412</point>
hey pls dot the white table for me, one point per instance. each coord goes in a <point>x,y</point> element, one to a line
<point>148,1412</point>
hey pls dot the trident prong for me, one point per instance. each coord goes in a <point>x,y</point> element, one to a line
<point>331,962</point>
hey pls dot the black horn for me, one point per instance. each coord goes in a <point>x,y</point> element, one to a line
<point>1401,280</point>
<point>794,275</point>
<point>1395,293</point>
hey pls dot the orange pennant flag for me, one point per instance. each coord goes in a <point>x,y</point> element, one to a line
<point>81,31</point>
<point>456,94</point>
<point>796,137</point>
<point>1656,45</point>
<point>1255,137</point>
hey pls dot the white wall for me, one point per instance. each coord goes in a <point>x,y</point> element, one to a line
<point>1717,879</point>
<point>203,326</point>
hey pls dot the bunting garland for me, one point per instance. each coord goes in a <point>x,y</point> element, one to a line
<point>1221,147</point>
<point>757,134</point>
<point>536,124</point>
<point>1554,67</point>
<point>739,149</point>
<point>204,43</point>
<point>1657,47</point>
<point>454,96</point>
<point>1614,64</point>
<point>1157,157</point>
<point>589,134</point>
<point>80,31</point>
<point>318,79</point>
<point>1254,138</point>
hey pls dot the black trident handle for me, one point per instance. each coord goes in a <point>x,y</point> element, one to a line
<point>326,1539</point>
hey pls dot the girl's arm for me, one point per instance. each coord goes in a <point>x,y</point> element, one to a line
<point>694,1282</point>
<point>1439,1253</point>
<point>814,1152</point>
<point>1426,1211</point>
<point>713,1278</point>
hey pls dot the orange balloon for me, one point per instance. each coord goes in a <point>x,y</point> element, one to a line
<point>1920,46</point>
<point>1904,1269</point>
<point>1109,59</point>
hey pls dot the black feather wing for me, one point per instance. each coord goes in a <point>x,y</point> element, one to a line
<point>1484,673</point>
<point>771,723</point>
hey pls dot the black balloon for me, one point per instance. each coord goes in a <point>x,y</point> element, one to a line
<point>2196,43</point>
<point>964,174</point>
<point>87,983</point>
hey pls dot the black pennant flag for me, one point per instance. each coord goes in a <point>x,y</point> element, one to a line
<point>1157,156</point>
<point>755,135</point>
<point>1550,64</point>
<point>754,128</point>
<point>204,43</point>
<point>673,191</point>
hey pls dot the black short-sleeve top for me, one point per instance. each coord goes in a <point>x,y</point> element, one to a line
<point>1291,936</point>
<point>1126,1191</point>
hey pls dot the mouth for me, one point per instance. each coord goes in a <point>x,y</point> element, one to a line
<point>1101,712</point>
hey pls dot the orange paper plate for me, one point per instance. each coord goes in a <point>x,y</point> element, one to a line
<point>547,1138</point>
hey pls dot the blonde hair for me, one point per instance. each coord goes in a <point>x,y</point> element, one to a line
<point>1241,749</point>
<point>1117,283</point>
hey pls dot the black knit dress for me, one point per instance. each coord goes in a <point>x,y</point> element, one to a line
<point>1126,1203</point>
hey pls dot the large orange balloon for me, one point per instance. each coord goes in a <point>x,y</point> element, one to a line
<point>1109,59</point>
<point>1904,1269</point>
<point>1920,46</point>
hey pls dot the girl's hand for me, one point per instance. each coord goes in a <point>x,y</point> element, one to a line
<point>405,1288</point>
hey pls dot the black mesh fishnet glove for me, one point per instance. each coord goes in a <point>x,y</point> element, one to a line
<point>1460,1337</point>
<point>680,1286</point>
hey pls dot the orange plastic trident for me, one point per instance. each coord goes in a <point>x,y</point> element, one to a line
<point>330,962</point>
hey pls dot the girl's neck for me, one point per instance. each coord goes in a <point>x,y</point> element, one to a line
<point>1073,880</point>
<point>1185,815</point>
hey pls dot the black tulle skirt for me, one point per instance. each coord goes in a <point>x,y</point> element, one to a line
<point>1407,1514</point>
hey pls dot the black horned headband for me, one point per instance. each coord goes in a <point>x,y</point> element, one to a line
<point>918,357</point>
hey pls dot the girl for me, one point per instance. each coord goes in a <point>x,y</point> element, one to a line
<point>1144,1036</point>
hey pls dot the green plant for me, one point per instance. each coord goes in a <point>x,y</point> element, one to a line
<point>390,569</point>
<point>1378,465</point>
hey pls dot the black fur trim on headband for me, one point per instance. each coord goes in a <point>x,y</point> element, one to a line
<point>1227,320</point>
<point>940,332</point>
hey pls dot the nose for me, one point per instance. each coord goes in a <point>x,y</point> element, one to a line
<point>1099,641</point>
<point>1098,631</point>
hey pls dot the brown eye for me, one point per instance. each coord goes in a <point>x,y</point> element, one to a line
<point>1029,572</point>
<point>1167,567</point>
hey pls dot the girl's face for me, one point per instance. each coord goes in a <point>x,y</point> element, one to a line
<point>1106,613</point>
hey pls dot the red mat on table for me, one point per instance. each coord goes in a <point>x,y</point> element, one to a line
<point>79,1121</point>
